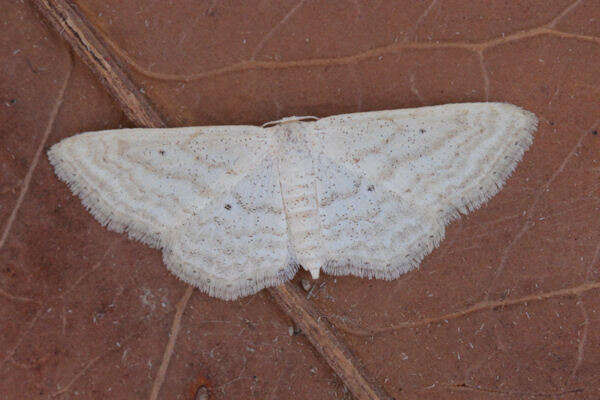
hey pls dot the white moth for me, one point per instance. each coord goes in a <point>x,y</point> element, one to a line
<point>239,208</point>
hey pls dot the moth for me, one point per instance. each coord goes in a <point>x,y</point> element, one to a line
<point>239,208</point>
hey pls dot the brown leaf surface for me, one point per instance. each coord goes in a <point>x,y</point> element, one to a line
<point>85,312</point>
